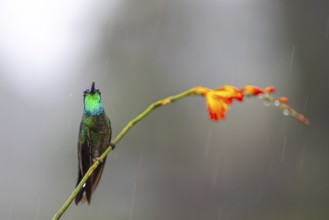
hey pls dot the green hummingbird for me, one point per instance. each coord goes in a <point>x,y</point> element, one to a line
<point>94,137</point>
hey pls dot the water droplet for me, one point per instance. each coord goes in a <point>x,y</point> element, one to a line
<point>326,34</point>
<point>276,102</point>
<point>285,112</point>
<point>284,148</point>
<point>132,202</point>
<point>267,103</point>
<point>292,57</point>
<point>208,143</point>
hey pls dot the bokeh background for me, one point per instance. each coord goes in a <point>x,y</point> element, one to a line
<point>175,164</point>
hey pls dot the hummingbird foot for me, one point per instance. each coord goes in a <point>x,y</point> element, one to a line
<point>100,160</point>
<point>112,146</point>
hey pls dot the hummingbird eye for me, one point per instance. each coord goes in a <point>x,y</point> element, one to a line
<point>86,91</point>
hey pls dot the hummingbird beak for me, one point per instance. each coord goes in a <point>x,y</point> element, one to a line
<point>92,90</point>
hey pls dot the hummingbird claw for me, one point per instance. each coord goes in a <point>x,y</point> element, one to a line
<point>100,160</point>
<point>112,146</point>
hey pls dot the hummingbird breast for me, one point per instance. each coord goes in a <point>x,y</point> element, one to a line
<point>100,133</point>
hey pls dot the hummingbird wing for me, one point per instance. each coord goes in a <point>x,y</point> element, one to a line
<point>96,176</point>
<point>85,161</point>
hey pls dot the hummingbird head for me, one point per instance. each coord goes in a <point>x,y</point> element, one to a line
<point>92,101</point>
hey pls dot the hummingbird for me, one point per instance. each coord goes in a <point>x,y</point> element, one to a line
<point>94,137</point>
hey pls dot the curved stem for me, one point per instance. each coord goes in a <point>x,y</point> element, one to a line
<point>147,111</point>
<point>202,91</point>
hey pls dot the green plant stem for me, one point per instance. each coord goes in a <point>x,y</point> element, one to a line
<point>147,111</point>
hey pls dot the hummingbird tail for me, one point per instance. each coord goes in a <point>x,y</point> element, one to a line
<point>85,193</point>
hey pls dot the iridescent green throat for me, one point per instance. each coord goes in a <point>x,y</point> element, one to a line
<point>93,104</point>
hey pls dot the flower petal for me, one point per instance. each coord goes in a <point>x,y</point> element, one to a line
<point>201,90</point>
<point>269,89</point>
<point>230,93</point>
<point>252,90</point>
<point>283,100</point>
<point>216,106</point>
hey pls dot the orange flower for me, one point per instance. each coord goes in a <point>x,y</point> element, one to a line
<point>283,100</point>
<point>216,105</point>
<point>252,90</point>
<point>269,90</point>
<point>201,90</point>
<point>231,92</point>
<point>302,119</point>
<point>218,100</point>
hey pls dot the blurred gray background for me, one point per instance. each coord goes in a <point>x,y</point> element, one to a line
<point>175,164</point>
